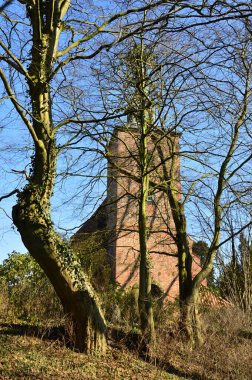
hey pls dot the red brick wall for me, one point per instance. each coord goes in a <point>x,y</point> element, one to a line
<point>122,220</point>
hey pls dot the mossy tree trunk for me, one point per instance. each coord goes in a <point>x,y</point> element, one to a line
<point>31,214</point>
<point>188,288</point>
<point>171,186</point>
<point>139,67</point>
<point>145,298</point>
<point>188,293</point>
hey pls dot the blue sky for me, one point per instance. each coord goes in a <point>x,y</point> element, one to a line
<point>70,207</point>
<point>15,154</point>
<point>11,159</point>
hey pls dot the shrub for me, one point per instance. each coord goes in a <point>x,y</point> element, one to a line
<point>27,291</point>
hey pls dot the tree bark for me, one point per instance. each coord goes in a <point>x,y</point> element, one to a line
<point>145,298</point>
<point>189,320</point>
<point>84,316</point>
<point>188,289</point>
<point>32,214</point>
<point>139,68</point>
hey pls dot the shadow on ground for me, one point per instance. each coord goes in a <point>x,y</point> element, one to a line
<point>116,338</point>
<point>50,333</point>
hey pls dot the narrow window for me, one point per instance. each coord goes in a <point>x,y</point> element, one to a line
<point>150,198</point>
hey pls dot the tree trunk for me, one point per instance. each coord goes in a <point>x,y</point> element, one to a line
<point>188,293</point>
<point>32,214</point>
<point>145,298</point>
<point>188,288</point>
<point>190,322</point>
<point>87,330</point>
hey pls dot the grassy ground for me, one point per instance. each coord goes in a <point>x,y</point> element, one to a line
<point>225,355</point>
<point>23,356</point>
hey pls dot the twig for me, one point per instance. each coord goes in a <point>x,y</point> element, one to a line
<point>9,195</point>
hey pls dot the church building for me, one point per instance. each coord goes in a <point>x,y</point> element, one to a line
<point>118,215</point>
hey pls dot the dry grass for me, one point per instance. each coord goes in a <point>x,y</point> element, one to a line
<point>225,355</point>
<point>28,357</point>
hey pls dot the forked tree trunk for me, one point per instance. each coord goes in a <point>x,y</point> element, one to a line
<point>188,288</point>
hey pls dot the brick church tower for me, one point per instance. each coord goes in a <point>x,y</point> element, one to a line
<point>118,215</point>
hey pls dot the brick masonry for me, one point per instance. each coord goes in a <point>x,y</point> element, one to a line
<point>119,216</point>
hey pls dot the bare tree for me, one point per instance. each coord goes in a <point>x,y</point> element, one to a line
<point>40,42</point>
<point>38,64</point>
<point>206,94</point>
<point>231,164</point>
